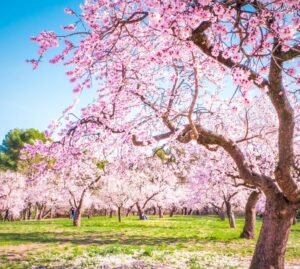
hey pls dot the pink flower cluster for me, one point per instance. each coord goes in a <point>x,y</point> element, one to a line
<point>46,40</point>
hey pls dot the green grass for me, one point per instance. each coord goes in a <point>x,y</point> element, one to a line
<point>42,243</point>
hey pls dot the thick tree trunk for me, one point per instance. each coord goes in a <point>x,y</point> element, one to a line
<point>250,216</point>
<point>119,214</point>
<point>190,211</point>
<point>271,245</point>
<point>139,210</point>
<point>160,212</point>
<point>230,215</point>
<point>172,211</point>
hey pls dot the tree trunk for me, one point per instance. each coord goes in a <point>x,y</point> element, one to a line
<point>129,210</point>
<point>119,214</point>
<point>36,212</point>
<point>41,211</point>
<point>185,210</point>
<point>271,245</point>
<point>45,215</point>
<point>77,218</point>
<point>190,211</point>
<point>111,213</point>
<point>172,211</point>
<point>29,212</point>
<point>295,221</point>
<point>221,214</point>
<point>230,215</point>
<point>160,212</point>
<point>23,214</point>
<point>154,210</point>
<point>139,210</point>
<point>6,216</point>
<point>219,210</point>
<point>250,216</point>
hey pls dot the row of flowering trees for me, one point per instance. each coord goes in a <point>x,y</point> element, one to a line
<point>66,176</point>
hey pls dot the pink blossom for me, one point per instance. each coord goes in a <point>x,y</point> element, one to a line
<point>70,27</point>
<point>69,11</point>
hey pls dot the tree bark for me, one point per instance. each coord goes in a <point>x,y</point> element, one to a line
<point>271,245</point>
<point>111,213</point>
<point>77,218</point>
<point>36,212</point>
<point>219,210</point>
<point>41,212</point>
<point>185,210</point>
<point>23,214</point>
<point>45,215</point>
<point>230,215</point>
<point>139,210</point>
<point>29,212</point>
<point>250,216</point>
<point>190,211</point>
<point>129,210</point>
<point>160,212</point>
<point>172,211</point>
<point>119,214</point>
<point>6,216</point>
<point>221,214</point>
<point>154,210</point>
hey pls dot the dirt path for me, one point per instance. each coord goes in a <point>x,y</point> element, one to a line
<point>18,253</point>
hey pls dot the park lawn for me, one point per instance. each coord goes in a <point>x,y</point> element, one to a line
<point>50,243</point>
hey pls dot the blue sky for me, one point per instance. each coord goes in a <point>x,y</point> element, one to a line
<point>31,98</point>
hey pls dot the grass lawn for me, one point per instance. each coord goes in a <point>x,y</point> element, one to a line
<point>178,242</point>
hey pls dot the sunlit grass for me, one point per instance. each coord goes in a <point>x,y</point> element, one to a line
<point>25,243</point>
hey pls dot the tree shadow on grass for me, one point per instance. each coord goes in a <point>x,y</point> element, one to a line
<point>104,238</point>
<point>95,239</point>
